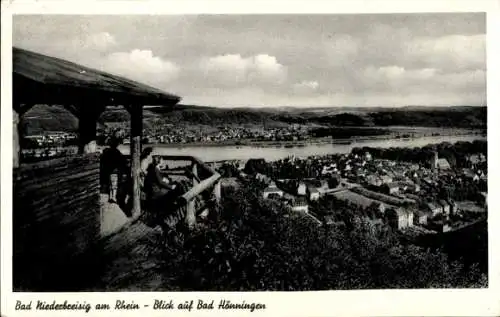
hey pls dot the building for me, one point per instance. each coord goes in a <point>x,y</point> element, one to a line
<point>443,164</point>
<point>301,189</point>
<point>271,192</point>
<point>400,218</point>
<point>263,178</point>
<point>429,181</point>
<point>439,226</point>
<point>373,180</point>
<point>453,207</point>
<point>378,207</point>
<point>386,179</point>
<point>475,159</point>
<point>314,193</point>
<point>412,187</point>
<point>434,209</point>
<point>391,188</point>
<point>446,207</point>
<point>469,174</point>
<point>414,167</point>
<point>483,199</point>
<point>420,217</point>
<point>329,169</point>
<point>299,205</point>
<point>439,163</point>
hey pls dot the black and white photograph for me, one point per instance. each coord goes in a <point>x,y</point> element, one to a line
<point>249,152</point>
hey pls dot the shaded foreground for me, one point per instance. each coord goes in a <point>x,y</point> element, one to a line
<point>259,245</point>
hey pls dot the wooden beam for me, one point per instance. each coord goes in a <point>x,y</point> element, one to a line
<point>201,187</point>
<point>87,128</point>
<point>191,204</point>
<point>87,113</point>
<point>217,191</point>
<point>135,152</point>
<point>16,147</point>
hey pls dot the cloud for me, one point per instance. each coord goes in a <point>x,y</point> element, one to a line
<point>399,80</point>
<point>306,86</point>
<point>99,41</point>
<point>141,65</point>
<point>233,69</point>
<point>397,73</point>
<point>393,59</point>
<point>453,51</point>
<point>340,49</point>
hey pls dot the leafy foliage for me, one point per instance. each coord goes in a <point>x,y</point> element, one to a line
<point>259,245</point>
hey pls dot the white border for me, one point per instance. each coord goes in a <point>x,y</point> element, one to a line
<point>342,303</point>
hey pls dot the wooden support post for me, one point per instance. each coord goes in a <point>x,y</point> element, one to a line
<point>217,196</point>
<point>191,205</point>
<point>217,192</point>
<point>87,128</point>
<point>16,147</point>
<point>135,152</point>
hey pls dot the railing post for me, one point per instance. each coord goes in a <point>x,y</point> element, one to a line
<point>135,152</point>
<point>217,192</point>
<point>217,197</point>
<point>191,205</point>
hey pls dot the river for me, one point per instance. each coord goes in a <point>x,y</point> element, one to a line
<point>270,153</point>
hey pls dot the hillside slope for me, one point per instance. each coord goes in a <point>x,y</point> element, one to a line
<point>56,118</point>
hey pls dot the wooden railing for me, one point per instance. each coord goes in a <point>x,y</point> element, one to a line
<point>205,181</point>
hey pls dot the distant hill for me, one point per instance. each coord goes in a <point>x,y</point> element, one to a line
<point>56,118</point>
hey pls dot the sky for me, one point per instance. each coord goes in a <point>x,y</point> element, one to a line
<point>279,60</point>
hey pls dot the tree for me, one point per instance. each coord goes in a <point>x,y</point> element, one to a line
<point>333,182</point>
<point>259,245</point>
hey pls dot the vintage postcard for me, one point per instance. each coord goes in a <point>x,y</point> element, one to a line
<point>293,158</point>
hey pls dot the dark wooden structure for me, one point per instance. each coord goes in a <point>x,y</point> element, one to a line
<point>56,203</point>
<point>40,79</point>
<point>56,217</point>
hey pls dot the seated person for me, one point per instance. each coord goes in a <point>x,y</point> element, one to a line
<point>161,192</point>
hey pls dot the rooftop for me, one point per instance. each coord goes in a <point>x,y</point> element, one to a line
<point>33,71</point>
<point>272,190</point>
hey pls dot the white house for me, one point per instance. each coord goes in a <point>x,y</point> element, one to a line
<point>272,191</point>
<point>314,193</point>
<point>392,188</point>
<point>299,205</point>
<point>386,179</point>
<point>400,218</point>
<point>302,189</point>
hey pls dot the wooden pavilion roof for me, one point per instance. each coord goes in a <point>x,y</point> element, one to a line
<point>42,79</point>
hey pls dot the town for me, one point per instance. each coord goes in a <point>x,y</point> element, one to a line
<point>410,197</point>
<point>170,134</point>
<point>51,144</point>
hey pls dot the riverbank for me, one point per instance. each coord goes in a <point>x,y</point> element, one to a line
<point>278,150</point>
<point>245,152</point>
<point>394,135</point>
